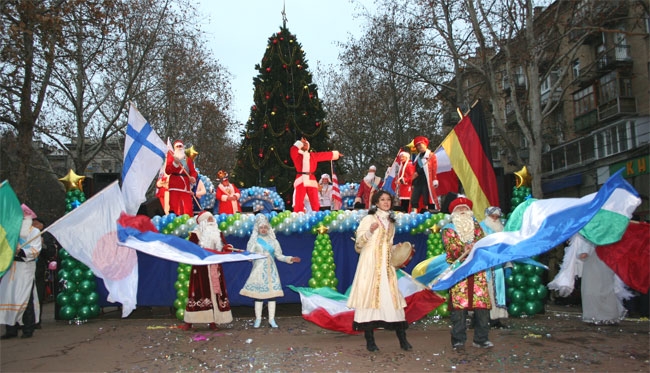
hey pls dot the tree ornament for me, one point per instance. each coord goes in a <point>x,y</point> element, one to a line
<point>265,125</point>
<point>72,181</point>
<point>191,152</point>
<point>522,177</point>
<point>268,69</point>
<point>317,124</point>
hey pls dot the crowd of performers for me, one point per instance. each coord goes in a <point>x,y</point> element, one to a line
<point>374,294</point>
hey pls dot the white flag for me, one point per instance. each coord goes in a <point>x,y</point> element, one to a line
<point>144,153</point>
<point>89,234</point>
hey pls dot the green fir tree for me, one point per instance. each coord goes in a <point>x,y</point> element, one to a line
<point>286,108</point>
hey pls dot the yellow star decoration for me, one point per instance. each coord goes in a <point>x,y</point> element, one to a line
<point>523,177</point>
<point>72,181</point>
<point>191,152</point>
<point>435,228</point>
<point>322,229</point>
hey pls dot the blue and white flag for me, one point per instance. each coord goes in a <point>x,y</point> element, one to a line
<point>144,154</point>
<point>176,249</point>
<point>547,223</point>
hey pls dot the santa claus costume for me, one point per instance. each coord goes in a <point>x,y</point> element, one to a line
<point>306,183</point>
<point>403,182</point>
<point>368,187</point>
<point>182,175</point>
<point>425,178</point>
<point>207,298</point>
<point>227,194</point>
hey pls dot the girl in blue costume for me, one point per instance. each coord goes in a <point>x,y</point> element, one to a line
<point>264,281</point>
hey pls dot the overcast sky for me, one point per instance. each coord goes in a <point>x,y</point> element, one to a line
<point>237,33</point>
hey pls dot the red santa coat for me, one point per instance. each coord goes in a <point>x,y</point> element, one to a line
<point>403,182</point>
<point>180,189</point>
<point>366,190</point>
<point>226,206</point>
<point>306,183</point>
<point>430,166</point>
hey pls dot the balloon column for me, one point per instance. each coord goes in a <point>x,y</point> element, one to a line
<point>322,261</point>
<point>180,226</point>
<point>77,297</point>
<point>525,291</point>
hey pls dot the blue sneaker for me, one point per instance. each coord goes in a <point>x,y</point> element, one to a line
<point>257,323</point>
<point>272,323</point>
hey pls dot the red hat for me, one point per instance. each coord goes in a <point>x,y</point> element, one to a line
<point>420,140</point>
<point>178,142</point>
<point>203,216</point>
<point>460,200</point>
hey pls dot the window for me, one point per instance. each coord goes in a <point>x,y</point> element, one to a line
<point>587,148</point>
<point>584,101</point>
<point>575,68</point>
<point>614,139</point>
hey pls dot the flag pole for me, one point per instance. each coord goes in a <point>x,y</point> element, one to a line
<point>451,267</point>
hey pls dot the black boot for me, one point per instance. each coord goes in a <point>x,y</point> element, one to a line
<point>12,332</point>
<point>370,341</point>
<point>403,343</point>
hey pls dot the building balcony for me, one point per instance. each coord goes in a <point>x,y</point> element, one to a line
<point>617,107</point>
<point>586,122</point>
<point>553,96</point>
<point>617,57</point>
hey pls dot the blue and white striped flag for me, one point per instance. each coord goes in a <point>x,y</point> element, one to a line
<point>144,154</point>
<point>547,223</point>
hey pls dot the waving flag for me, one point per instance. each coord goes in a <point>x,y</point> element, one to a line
<point>629,258</point>
<point>144,153</point>
<point>11,219</point>
<point>391,174</point>
<point>89,234</point>
<point>546,224</point>
<point>328,309</point>
<point>467,151</point>
<point>337,201</point>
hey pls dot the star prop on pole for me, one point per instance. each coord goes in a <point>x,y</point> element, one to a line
<point>72,181</point>
<point>523,177</point>
<point>191,152</point>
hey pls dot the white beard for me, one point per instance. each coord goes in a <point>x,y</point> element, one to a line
<point>210,236</point>
<point>464,222</point>
<point>25,228</point>
<point>179,154</point>
<point>369,178</point>
<point>495,225</point>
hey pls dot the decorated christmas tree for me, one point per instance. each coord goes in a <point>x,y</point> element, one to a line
<point>286,108</point>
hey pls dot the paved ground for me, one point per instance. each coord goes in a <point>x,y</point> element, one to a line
<point>149,341</point>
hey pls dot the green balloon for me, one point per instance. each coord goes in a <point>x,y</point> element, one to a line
<point>77,299</point>
<point>518,296</point>
<point>71,287</point>
<point>539,270</point>
<point>515,310</point>
<point>62,299</point>
<point>69,264</point>
<point>335,282</point>
<point>64,274</point>
<point>180,313</point>
<point>67,312</point>
<point>529,269</point>
<point>178,303</point>
<point>77,274</point>
<point>181,293</point>
<point>318,275</point>
<point>534,281</point>
<point>539,306</point>
<point>519,281</point>
<point>89,275</point>
<point>531,294</point>
<point>530,308</point>
<point>178,285</point>
<point>92,298</point>
<point>326,282</point>
<point>95,309</point>
<point>87,286</point>
<point>510,281</point>
<point>63,254</point>
<point>443,310</point>
<point>542,291</point>
<point>313,283</point>
<point>182,276</point>
<point>84,312</point>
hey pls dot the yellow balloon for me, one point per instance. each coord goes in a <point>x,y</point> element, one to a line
<point>191,152</point>
<point>411,147</point>
<point>522,177</point>
<point>72,181</point>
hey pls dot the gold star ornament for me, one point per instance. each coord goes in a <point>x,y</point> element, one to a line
<point>72,181</point>
<point>322,229</point>
<point>191,152</point>
<point>522,177</point>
